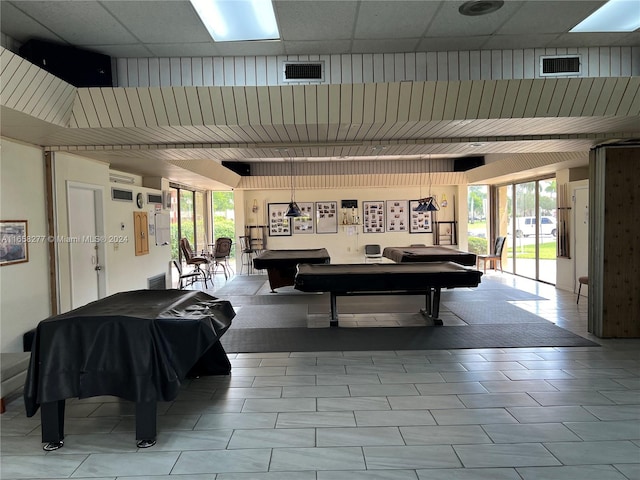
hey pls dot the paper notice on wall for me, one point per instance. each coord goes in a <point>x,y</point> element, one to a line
<point>163,228</point>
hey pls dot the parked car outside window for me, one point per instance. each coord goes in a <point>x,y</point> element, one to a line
<point>526,226</point>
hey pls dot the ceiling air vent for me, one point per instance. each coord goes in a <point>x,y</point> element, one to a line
<point>303,72</point>
<point>557,66</point>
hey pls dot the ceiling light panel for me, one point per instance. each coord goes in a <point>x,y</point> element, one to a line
<point>613,16</point>
<point>238,20</point>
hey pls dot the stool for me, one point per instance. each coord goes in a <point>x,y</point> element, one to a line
<point>582,281</point>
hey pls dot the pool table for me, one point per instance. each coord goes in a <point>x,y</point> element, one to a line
<point>386,279</point>
<point>281,264</point>
<point>429,254</point>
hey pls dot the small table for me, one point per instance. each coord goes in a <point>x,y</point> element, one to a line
<point>281,264</point>
<point>138,345</point>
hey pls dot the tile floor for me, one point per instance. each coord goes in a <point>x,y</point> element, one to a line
<point>498,414</point>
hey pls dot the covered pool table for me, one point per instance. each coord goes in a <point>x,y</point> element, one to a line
<point>429,254</point>
<point>138,345</point>
<point>281,264</point>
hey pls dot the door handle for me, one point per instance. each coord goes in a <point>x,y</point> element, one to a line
<point>98,268</point>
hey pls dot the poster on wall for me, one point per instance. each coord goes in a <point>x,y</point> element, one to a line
<point>279,225</point>
<point>304,223</point>
<point>420,221</point>
<point>326,217</point>
<point>373,215</point>
<point>397,216</point>
<point>14,247</point>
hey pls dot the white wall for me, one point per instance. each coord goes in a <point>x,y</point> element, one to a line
<point>566,267</point>
<point>124,271</point>
<point>372,67</point>
<point>346,246</point>
<point>24,287</point>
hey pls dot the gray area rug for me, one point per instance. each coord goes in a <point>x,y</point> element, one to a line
<point>492,312</point>
<point>253,340</point>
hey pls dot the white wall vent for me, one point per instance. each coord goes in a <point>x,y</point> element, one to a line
<point>560,65</point>
<point>303,71</point>
<point>122,195</point>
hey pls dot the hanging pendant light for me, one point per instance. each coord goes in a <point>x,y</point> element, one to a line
<point>293,210</point>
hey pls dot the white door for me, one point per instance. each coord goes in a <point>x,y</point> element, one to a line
<point>85,249</point>
<point>581,244</point>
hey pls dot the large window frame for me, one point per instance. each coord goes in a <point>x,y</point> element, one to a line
<point>514,204</point>
<point>189,211</point>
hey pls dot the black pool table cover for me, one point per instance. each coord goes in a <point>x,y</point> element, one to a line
<point>136,345</point>
<point>429,254</point>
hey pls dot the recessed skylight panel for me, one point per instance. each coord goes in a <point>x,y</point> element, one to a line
<point>238,20</point>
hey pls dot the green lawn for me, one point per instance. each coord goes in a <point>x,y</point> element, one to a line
<point>547,251</point>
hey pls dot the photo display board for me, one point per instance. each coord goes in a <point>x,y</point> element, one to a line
<point>397,215</point>
<point>279,225</point>
<point>327,217</point>
<point>420,221</point>
<point>373,215</point>
<point>304,224</point>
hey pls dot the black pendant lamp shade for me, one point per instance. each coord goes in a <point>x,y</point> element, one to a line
<point>293,210</point>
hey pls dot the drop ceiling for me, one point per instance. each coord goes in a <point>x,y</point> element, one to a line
<point>172,29</point>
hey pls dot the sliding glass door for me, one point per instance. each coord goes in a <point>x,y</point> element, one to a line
<point>528,210</point>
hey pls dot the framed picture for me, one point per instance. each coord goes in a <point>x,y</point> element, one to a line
<point>373,217</point>
<point>304,224</point>
<point>420,221</point>
<point>14,247</point>
<point>326,217</point>
<point>279,225</point>
<point>397,214</point>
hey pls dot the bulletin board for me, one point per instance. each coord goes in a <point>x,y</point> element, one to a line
<point>373,216</point>
<point>397,214</point>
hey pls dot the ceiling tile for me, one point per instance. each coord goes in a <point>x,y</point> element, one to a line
<point>400,19</point>
<point>272,47</point>
<point>80,23</point>
<point>508,42</point>
<point>327,47</point>
<point>389,45</point>
<point>597,39</point>
<point>176,49</point>
<point>444,44</point>
<point>22,27</point>
<point>548,16</point>
<point>448,22</point>
<point>304,20</point>
<point>123,51</point>
<point>159,21</point>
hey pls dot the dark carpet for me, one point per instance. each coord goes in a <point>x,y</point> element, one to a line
<point>254,340</point>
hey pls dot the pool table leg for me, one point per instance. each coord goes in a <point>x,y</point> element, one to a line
<point>334,310</point>
<point>432,305</point>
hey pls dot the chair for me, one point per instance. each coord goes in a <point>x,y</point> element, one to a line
<point>190,277</point>
<point>247,252</point>
<point>196,261</point>
<point>221,254</point>
<point>372,252</point>
<point>584,280</point>
<point>495,258</point>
